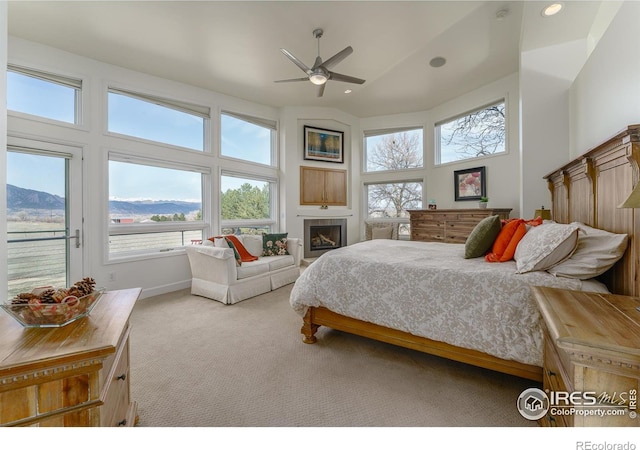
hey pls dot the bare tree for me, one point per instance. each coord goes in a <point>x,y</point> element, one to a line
<point>480,133</point>
<point>395,152</point>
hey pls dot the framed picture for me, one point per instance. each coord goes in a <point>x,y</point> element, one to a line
<point>323,145</point>
<point>470,184</point>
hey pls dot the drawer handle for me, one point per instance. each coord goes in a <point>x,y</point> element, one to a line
<point>551,373</point>
<point>122,423</point>
<point>122,377</point>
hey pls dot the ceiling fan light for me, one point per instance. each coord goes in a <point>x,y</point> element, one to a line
<point>318,78</point>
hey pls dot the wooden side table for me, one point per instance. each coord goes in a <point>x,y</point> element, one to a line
<point>75,375</point>
<point>591,351</point>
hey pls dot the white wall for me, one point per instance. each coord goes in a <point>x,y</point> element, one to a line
<point>605,96</point>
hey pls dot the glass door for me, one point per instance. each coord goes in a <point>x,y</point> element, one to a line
<point>44,215</point>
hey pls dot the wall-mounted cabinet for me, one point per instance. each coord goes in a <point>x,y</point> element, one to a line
<point>319,186</point>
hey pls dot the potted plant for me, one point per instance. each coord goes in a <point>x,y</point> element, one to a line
<point>483,202</point>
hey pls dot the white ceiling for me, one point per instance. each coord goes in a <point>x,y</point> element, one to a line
<point>234,47</point>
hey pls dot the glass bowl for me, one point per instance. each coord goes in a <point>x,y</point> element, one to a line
<point>44,315</point>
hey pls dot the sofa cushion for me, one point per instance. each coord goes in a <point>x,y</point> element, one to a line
<point>278,262</point>
<point>253,268</point>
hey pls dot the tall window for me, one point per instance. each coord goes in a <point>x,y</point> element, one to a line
<point>391,186</point>
<point>153,207</point>
<point>43,94</point>
<point>157,119</point>
<point>393,150</point>
<point>479,133</point>
<point>248,138</point>
<point>247,204</point>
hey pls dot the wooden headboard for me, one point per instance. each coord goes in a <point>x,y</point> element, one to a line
<point>589,189</point>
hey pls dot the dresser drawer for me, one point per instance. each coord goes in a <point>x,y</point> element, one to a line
<point>116,398</point>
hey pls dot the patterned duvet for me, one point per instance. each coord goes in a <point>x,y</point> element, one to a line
<point>428,289</point>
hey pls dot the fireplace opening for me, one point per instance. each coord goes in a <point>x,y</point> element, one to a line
<point>323,235</point>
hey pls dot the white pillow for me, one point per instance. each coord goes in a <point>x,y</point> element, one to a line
<point>220,242</point>
<point>253,244</point>
<point>545,246</point>
<point>597,251</point>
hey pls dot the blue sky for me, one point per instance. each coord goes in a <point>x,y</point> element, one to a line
<point>133,117</point>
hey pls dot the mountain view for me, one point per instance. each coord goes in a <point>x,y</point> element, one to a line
<point>37,203</point>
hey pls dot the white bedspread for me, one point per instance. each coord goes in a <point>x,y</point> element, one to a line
<point>428,289</point>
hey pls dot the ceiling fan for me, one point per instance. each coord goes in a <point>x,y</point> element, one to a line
<point>319,74</point>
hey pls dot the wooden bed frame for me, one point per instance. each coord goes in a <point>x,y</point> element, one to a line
<point>587,189</point>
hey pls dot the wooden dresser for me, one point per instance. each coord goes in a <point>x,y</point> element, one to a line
<point>449,225</point>
<point>591,349</point>
<point>76,375</point>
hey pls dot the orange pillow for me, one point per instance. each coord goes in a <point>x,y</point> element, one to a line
<point>504,247</point>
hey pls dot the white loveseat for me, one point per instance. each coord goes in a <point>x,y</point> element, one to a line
<point>216,275</point>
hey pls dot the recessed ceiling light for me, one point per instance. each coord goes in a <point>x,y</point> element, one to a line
<point>552,9</point>
<point>348,91</point>
<point>438,61</point>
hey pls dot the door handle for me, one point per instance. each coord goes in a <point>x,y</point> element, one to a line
<point>76,236</point>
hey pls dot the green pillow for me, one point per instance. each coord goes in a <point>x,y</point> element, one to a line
<point>274,244</point>
<point>482,237</point>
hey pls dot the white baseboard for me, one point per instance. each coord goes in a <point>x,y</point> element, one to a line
<point>165,289</point>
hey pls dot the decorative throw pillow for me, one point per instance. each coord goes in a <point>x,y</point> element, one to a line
<point>504,247</point>
<point>597,251</point>
<point>544,246</point>
<point>382,232</point>
<point>482,236</point>
<point>220,242</point>
<point>245,256</point>
<point>274,244</point>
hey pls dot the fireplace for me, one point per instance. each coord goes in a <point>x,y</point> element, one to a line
<point>322,235</point>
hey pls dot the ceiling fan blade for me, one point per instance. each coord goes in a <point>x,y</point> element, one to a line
<point>296,61</point>
<point>335,59</point>
<point>321,89</point>
<point>292,79</point>
<point>345,78</point>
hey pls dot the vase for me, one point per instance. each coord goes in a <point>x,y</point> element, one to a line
<point>482,205</point>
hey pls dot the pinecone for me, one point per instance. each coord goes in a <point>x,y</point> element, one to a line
<point>48,296</point>
<point>23,298</point>
<point>85,286</point>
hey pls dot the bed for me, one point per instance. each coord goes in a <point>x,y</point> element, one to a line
<point>426,296</point>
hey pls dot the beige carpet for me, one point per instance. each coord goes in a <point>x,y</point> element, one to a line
<point>198,363</point>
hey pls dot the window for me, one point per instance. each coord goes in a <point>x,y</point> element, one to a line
<point>246,204</point>
<point>473,135</point>
<point>43,94</point>
<point>153,206</point>
<point>399,149</point>
<point>389,202</point>
<point>157,119</point>
<point>248,138</point>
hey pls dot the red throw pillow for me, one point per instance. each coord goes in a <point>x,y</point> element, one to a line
<point>504,247</point>
<point>245,256</point>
